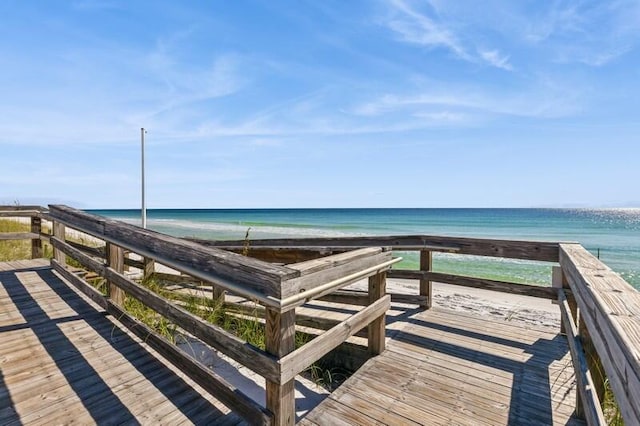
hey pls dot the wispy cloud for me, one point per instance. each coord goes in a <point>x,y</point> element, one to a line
<point>495,58</point>
<point>451,106</point>
<point>591,32</point>
<point>415,27</point>
<point>127,89</point>
<point>424,27</point>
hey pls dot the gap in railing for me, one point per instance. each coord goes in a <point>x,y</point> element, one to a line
<point>499,269</point>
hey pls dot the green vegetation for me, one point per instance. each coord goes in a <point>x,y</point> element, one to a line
<point>612,414</point>
<point>248,326</point>
<point>18,249</point>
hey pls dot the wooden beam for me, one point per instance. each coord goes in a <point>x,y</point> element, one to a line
<point>36,242</point>
<point>59,233</point>
<point>248,355</point>
<point>609,308</point>
<point>239,274</point>
<point>8,236</point>
<point>324,263</point>
<point>376,334</point>
<point>88,290</point>
<point>227,343</point>
<point>280,332</point>
<point>148,267</point>
<point>594,363</point>
<point>68,248</point>
<point>526,250</point>
<point>588,403</point>
<point>426,261</point>
<point>317,273</point>
<point>284,255</point>
<point>361,298</point>
<point>312,351</point>
<point>20,208</point>
<point>115,260</point>
<point>481,283</point>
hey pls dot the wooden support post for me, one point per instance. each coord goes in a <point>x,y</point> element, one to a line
<point>36,243</point>
<point>594,363</point>
<point>115,259</point>
<point>426,261</point>
<point>376,330</point>
<point>59,232</point>
<point>559,280</point>
<point>219,294</point>
<point>149,267</point>
<point>280,332</point>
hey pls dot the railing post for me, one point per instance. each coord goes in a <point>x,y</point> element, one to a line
<point>559,280</point>
<point>376,330</point>
<point>280,332</point>
<point>36,243</point>
<point>426,261</point>
<point>219,294</point>
<point>59,232</point>
<point>115,260</point>
<point>149,267</point>
<point>594,363</point>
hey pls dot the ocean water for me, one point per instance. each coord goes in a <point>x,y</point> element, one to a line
<point>613,234</point>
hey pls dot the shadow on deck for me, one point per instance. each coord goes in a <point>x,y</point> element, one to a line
<point>443,367</point>
<point>63,360</point>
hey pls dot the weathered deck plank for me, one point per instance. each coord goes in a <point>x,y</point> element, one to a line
<point>442,367</point>
<point>63,361</point>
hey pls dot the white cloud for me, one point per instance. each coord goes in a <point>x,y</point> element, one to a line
<point>494,58</point>
<point>430,30</point>
<point>452,105</point>
<point>418,28</point>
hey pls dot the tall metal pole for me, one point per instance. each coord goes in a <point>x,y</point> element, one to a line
<point>144,207</point>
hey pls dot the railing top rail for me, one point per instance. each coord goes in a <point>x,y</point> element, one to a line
<point>270,284</point>
<point>18,208</point>
<point>610,309</point>
<point>525,250</point>
<point>21,211</point>
<point>246,276</point>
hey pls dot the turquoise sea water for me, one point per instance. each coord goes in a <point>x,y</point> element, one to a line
<point>615,233</point>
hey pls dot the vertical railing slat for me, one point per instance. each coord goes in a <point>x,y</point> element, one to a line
<point>59,232</point>
<point>376,330</point>
<point>115,260</point>
<point>280,332</point>
<point>426,262</point>
<point>36,243</point>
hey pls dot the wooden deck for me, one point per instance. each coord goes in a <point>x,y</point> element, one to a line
<point>64,361</point>
<point>448,368</point>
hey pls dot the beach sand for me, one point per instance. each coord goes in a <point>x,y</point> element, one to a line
<point>525,310</point>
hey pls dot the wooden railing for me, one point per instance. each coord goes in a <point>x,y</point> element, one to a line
<point>602,318</point>
<point>279,289</point>
<point>600,312</point>
<point>32,212</point>
<point>277,250</point>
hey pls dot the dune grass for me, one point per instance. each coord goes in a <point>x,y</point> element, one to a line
<point>18,249</point>
<point>248,326</point>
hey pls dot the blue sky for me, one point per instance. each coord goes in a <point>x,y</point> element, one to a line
<point>390,103</point>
